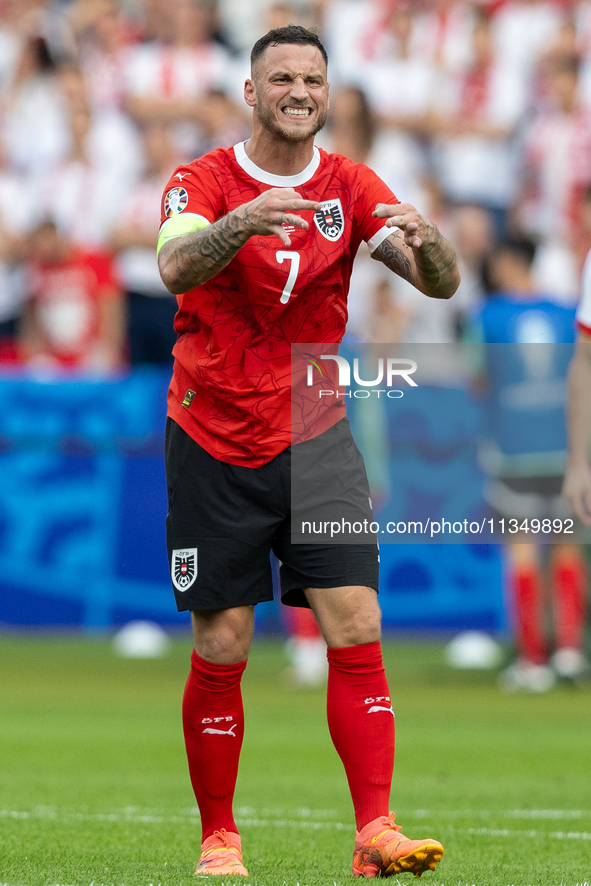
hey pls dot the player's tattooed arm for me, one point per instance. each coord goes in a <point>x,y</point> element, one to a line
<point>192,259</point>
<point>392,254</point>
<point>418,252</point>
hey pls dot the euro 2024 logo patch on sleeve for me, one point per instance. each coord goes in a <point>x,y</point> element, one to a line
<point>175,201</point>
<point>329,220</point>
<point>183,569</point>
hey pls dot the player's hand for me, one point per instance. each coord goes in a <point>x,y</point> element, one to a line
<point>416,229</point>
<point>576,488</point>
<point>267,213</point>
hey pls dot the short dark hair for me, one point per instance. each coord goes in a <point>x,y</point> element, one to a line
<point>288,34</point>
<point>520,247</point>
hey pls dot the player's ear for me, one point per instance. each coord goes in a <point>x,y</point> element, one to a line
<point>250,94</point>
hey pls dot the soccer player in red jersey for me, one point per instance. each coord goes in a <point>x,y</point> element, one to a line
<point>258,242</point>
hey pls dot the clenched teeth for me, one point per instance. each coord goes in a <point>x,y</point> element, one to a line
<point>297,112</point>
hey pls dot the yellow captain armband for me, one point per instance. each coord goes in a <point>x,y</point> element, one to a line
<point>177,225</point>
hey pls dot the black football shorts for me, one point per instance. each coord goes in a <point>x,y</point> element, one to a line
<point>224,520</point>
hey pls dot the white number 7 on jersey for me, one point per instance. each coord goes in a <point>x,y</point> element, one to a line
<point>294,258</point>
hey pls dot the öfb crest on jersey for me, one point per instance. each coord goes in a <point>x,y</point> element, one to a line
<point>329,220</point>
<point>184,568</point>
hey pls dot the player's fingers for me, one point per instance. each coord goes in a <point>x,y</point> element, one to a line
<point>303,204</point>
<point>385,210</point>
<point>409,222</point>
<point>415,242</point>
<point>281,233</point>
<point>287,219</point>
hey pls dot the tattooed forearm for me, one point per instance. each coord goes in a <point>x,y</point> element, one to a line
<point>390,253</point>
<point>192,259</point>
<point>436,265</point>
<point>431,268</point>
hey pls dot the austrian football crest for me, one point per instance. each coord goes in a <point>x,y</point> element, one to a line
<point>329,220</point>
<point>183,568</point>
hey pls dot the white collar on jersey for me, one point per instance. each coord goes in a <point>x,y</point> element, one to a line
<point>279,181</point>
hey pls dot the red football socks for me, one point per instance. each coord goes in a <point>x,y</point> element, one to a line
<point>528,613</point>
<point>569,579</point>
<point>213,723</point>
<point>361,724</point>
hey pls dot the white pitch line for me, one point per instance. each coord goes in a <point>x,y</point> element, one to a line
<point>249,818</point>
<point>504,832</point>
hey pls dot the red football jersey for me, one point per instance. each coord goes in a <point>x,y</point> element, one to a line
<point>230,389</point>
<point>66,296</point>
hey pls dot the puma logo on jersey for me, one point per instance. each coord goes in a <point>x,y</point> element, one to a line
<point>181,175</point>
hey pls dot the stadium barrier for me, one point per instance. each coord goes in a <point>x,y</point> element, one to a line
<point>83,505</point>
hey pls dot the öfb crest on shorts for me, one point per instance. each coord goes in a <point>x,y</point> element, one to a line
<point>183,568</point>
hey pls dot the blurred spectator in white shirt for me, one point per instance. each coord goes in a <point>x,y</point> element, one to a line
<point>402,90</point>
<point>165,82</point>
<point>83,192</point>
<point>479,113</point>
<point>150,306</point>
<point>523,29</point>
<point>104,37</point>
<point>443,33</point>
<point>35,119</point>
<point>241,24</point>
<point>556,173</point>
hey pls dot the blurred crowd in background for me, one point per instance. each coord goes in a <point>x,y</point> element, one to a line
<point>478,113</point>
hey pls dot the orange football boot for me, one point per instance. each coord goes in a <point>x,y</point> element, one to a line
<point>221,856</point>
<point>381,851</point>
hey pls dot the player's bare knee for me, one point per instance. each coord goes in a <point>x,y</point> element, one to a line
<point>224,636</point>
<point>365,628</point>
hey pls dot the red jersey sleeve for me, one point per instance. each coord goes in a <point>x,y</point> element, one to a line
<point>195,189</point>
<point>372,191</point>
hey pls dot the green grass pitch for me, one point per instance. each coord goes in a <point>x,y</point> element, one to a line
<point>94,787</point>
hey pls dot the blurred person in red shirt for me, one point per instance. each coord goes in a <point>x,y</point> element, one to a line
<point>74,314</point>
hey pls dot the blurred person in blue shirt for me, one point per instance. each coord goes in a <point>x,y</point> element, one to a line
<point>529,344</point>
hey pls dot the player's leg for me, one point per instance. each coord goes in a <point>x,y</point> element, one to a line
<point>361,724</point>
<point>220,525</point>
<point>349,619</point>
<point>213,725</point>
<point>339,582</point>
<point>569,583</point>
